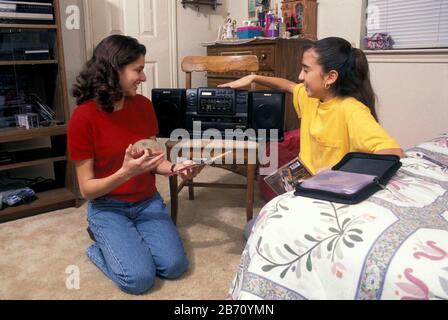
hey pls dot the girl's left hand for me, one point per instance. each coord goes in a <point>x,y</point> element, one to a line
<point>188,174</point>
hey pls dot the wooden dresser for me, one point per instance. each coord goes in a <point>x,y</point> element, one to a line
<point>278,58</point>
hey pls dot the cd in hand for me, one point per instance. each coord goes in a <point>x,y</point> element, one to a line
<point>151,145</point>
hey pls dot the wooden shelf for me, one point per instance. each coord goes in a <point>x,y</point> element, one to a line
<point>53,86</point>
<point>32,157</point>
<point>31,163</point>
<point>18,134</point>
<point>198,3</point>
<point>27,26</point>
<point>27,62</point>
<point>47,201</point>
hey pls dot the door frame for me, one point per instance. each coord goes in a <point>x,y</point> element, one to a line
<point>172,17</point>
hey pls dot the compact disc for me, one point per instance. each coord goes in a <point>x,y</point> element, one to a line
<point>153,146</point>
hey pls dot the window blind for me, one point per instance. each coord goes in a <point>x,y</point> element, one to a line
<point>411,23</point>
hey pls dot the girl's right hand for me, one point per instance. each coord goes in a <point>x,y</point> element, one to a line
<point>240,83</point>
<point>135,166</point>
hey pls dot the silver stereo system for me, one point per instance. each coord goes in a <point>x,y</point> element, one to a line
<point>36,11</point>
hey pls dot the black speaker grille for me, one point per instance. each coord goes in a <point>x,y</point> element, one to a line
<point>170,109</point>
<point>267,116</point>
<point>268,111</point>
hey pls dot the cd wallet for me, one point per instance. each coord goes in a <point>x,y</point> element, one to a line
<point>354,179</point>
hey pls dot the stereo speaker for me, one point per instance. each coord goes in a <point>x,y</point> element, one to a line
<point>267,111</point>
<point>170,108</point>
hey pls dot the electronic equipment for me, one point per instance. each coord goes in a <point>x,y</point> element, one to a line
<point>170,108</point>
<point>17,197</point>
<point>27,112</point>
<point>221,109</point>
<point>217,108</point>
<point>27,120</point>
<point>27,11</point>
<point>5,157</point>
<point>27,44</point>
<point>267,111</point>
<point>40,107</point>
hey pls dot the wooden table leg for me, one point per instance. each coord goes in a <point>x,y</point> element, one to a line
<point>250,191</point>
<point>190,190</point>
<point>174,198</point>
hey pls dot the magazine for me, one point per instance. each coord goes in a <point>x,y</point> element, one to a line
<point>285,178</point>
<point>201,163</point>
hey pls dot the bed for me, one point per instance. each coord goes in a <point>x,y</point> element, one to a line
<point>393,246</point>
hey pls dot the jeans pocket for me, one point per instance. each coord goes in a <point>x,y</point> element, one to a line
<point>92,210</point>
<point>101,204</point>
<point>155,205</point>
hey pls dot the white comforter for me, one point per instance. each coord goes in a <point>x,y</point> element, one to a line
<point>392,246</point>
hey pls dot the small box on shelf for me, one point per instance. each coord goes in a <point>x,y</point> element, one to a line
<point>249,32</point>
<point>27,120</point>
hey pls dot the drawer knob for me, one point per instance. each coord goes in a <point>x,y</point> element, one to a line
<point>263,56</point>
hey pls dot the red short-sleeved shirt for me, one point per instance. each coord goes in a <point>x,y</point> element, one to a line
<point>103,137</point>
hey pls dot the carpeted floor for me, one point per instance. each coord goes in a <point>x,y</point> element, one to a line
<point>36,252</point>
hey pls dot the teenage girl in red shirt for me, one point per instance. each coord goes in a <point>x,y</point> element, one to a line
<point>135,239</point>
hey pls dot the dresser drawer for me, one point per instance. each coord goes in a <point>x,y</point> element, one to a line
<point>265,54</point>
<point>266,57</point>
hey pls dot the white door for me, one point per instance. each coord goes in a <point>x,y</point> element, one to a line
<point>152,22</point>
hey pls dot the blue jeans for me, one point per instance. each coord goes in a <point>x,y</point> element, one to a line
<point>135,242</point>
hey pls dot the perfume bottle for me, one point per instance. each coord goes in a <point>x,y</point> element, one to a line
<point>281,27</point>
<point>271,26</point>
<point>272,30</point>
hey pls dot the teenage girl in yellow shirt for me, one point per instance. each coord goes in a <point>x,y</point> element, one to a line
<point>335,102</point>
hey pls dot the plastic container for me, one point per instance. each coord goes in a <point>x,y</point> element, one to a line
<point>272,31</point>
<point>249,32</point>
<point>294,31</point>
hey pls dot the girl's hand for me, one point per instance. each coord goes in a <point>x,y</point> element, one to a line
<point>137,153</point>
<point>240,83</point>
<point>188,174</point>
<point>145,163</point>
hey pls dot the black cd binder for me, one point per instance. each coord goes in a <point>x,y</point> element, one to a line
<point>354,179</point>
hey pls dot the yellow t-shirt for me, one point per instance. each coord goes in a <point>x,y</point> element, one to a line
<point>332,129</point>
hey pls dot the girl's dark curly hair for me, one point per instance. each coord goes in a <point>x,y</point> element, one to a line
<point>100,79</point>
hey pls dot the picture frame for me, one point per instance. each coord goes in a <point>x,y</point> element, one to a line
<point>252,9</point>
<point>263,3</point>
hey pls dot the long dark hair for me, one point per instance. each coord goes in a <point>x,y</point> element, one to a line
<point>352,66</point>
<point>100,79</point>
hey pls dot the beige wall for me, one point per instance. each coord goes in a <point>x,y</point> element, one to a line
<point>239,10</point>
<point>195,27</point>
<point>340,18</point>
<point>412,95</point>
<point>74,46</point>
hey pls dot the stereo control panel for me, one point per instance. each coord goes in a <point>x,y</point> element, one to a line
<point>217,108</point>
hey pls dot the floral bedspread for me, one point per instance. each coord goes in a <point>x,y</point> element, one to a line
<point>392,246</point>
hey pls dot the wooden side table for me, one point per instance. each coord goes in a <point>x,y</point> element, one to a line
<point>243,153</point>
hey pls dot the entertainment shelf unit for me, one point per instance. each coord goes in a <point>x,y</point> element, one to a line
<point>45,146</point>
